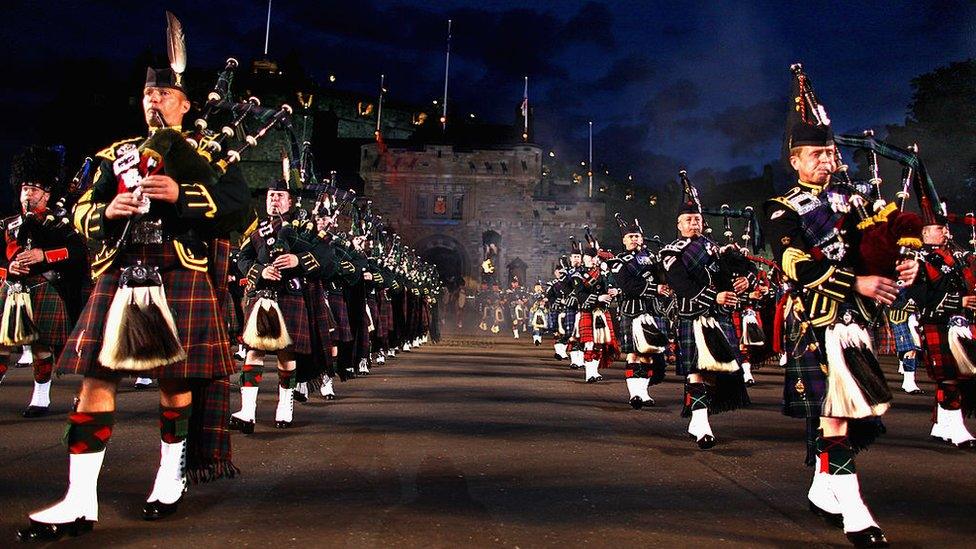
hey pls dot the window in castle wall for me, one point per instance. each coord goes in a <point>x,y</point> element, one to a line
<point>458,210</point>
<point>525,167</point>
<point>488,166</point>
<point>422,206</point>
<point>504,167</point>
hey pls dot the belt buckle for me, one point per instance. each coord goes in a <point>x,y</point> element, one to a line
<point>147,231</point>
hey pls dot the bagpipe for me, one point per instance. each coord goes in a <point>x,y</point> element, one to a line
<point>146,337</point>
<point>887,232</point>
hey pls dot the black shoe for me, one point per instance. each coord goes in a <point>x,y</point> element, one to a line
<point>750,383</point>
<point>916,392</point>
<point>574,366</point>
<point>705,442</point>
<point>537,343</point>
<point>282,424</point>
<point>142,386</point>
<point>967,445</point>
<point>636,403</point>
<point>155,510</point>
<point>300,397</point>
<point>34,411</point>
<point>592,380</point>
<point>237,424</point>
<point>40,531</point>
<point>598,378</point>
<point>834,519</point>
<point>330,397</point>
<point>869,537</point>
<point>650,402</point>
<point>556,356</point>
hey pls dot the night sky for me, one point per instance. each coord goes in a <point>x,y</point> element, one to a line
<point>700,85</point>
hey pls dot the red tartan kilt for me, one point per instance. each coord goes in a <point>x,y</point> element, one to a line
<point>50,315</point>
<point>586,326</point>
<point>320,319</point>
<point>296,321</point>
<point>196,311</point>
<point>386,316</point>
<point>939,362</point>
<point>343,330</point>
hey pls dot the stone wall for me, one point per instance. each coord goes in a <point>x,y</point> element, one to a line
<point>492,189</point>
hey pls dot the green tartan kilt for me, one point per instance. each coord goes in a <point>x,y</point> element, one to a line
<point>50,314</point>
<point>191,298</point>
<point>805,382</point>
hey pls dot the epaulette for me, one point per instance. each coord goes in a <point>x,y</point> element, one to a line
<point>108,153</point>
<point>788,198</point>
<point>676,246</point>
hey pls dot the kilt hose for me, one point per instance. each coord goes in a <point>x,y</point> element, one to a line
<point>939,362</point>
<point>295,312</point>
<point>340,313</point>
<point>208,364</point>
<point>196,312</point>
<point>688,354</point>
<point>50,313</point>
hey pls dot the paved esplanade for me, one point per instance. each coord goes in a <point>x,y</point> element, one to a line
<point>492,442</point>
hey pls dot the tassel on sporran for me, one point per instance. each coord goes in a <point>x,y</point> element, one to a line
<point>265,329</point>
<point>141,333</point>
<point>17,325</point>
<point>856,387</point>
<point>601,328</point>
<point>752,332</point>
<point>715,353</point>
<point>648,336</point>
<point>962,345</point>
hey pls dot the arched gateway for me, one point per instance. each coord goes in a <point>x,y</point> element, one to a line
<point>449,256</point>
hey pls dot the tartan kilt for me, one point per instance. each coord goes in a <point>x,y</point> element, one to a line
<point>569,323</point>
<point>902,333</point>
<point>340,313</point>
<point>296,314</point>
<point>374,316</point>
<point>626,332</point>
<point>939,362</point>
<point>805,382</point>
<point>687,352</point>
<point>586,327</point>
<point>320,318</point>
<point>196,311</point>
<point>50,313</point>
<point>386,316</point>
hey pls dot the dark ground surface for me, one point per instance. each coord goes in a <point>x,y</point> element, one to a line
<point>478,442</point>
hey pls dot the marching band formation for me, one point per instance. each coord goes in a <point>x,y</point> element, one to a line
<point>846,265</point>
<point>128,270</point>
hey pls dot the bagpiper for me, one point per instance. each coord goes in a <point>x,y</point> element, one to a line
<point>705,294</point>
<point>643,299</point>
<point>44,271</point>
<point>278,254</point>
<point>595,331</point>
<point>946,303</point>
<point>154,204</point>
<point>832,379</point>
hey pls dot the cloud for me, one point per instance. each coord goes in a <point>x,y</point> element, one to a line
<point>627,71</point>
<point>751,128</point>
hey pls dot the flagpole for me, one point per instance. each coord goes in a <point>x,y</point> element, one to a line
<point>267,30</point>
<point>379,108</point>
<point>525,110</point>
<point>590,172</point>
<point>447,67</point>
